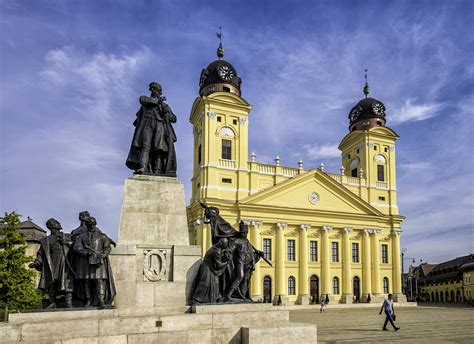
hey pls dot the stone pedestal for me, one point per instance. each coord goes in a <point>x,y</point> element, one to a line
<point>347,298</point>
<point>399,298</point>
<point>153,263</point>
<point>303,299</point>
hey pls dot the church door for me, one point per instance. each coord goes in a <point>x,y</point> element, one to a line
<point>267,289</point>
<point>356,288</point>
<point>314,288</point>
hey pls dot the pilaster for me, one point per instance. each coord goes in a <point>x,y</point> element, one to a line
<point>326,263</point>
<point>396,271</point>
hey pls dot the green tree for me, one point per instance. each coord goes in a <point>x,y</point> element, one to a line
<point>17,291</point>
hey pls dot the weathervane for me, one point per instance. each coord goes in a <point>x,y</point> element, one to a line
<point>220,50</point>
<point>366,87</point>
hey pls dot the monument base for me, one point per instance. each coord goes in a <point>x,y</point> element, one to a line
<point>244,323</point>
<point>153,263</point>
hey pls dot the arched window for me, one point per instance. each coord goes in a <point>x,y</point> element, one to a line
<point>267,289</point>
<point>437,296</point>
<point>291,286</point>
<point>385,285</point>
<point>441,296</point>
<point>314,288</point>
<point>446,296</point>
<point>452,296</point>
<point>432,297</point>
<point>335,285</point>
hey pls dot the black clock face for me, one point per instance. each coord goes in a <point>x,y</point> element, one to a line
<point>225,72</point>
<point>203,77</point>
<point>354,114</point>
<point>379,109</point>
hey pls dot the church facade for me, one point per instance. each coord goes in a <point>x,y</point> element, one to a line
<point>328,235</point>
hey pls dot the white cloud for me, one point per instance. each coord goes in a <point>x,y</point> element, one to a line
<point>91,84</point>
<point>314,152</point>
<point>411,112</point>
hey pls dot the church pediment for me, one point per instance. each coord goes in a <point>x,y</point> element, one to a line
<point>313,190</point>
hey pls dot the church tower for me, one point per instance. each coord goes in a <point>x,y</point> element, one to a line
<point>368,153</point>
<point>220,125</point>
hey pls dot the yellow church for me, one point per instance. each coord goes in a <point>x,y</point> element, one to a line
<point>328,235</point>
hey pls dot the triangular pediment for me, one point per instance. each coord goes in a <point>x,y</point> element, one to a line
<point>313,190</point>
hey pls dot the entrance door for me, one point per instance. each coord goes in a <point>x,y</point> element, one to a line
<point>356,288</point>
<point>267,289</point>
<point>314,289</point>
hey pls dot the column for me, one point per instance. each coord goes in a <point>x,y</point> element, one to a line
<point>303,283</point>
<point>376,283</point>
<point>208,237</point>
<point>325,262</point>
<point>256,282</point>
<point>396,271</point>
<point>280,280</point>
<point>200,236</point>
<point>366,276</point>
<point>346,267</point>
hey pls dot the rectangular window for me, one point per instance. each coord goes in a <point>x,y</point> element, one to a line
<point>291,250</point>
<point>354,172</point>
<point>375,147</point>
<point>358,151</point>
<point>227,149</point>
<point>380,173</point>
<point>313,251</point>
<point>381,198</point>
<point>234,122</point>
<point>355,252</point>
<point>267,249</point>
<point>199,154</point>
<point>384,253</point>
<point>385,149</point>
<point>335,252</point>
<point>219,119</point>
<point>227,180</point>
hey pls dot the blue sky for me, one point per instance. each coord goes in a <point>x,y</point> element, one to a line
<point>72,71</point>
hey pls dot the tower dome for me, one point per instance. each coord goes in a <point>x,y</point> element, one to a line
<point>219,75</point>
<point>367,113</point>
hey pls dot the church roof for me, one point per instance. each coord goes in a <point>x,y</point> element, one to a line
<point>33,232</point>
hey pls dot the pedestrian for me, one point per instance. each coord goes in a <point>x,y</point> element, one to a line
<point>389,312</point>
<point>323,304</point>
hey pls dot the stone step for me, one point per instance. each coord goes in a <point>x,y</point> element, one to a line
<point>231,308</point>
<point>285,333</point>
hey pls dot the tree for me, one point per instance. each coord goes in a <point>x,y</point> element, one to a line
<point>17,291</point>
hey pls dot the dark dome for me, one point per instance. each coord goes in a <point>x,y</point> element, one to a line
<point>219,73</point>
<point>367,112</point>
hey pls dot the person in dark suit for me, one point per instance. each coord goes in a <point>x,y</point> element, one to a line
<point>52,260</point>
<point>152,150</point>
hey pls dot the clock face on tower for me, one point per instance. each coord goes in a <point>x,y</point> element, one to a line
<point>225,72</point>
<point>354,113</point>
<point>378,109</point>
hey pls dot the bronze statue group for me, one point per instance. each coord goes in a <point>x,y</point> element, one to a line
<point>76,265</point>
<point>225,272</point>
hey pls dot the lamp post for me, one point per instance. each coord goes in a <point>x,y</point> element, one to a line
<point>403,271</point>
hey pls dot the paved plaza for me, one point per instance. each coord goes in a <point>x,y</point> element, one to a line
<point>422,324</point>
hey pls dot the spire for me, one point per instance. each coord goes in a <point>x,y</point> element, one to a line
<point>220,50</point>
<point>366,87</point>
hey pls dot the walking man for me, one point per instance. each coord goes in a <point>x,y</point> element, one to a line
<point>389,312</point>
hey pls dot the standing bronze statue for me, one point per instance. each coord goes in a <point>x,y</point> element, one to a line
<point>52,260</point>
<point>93,266</point>
<point>152,150</point>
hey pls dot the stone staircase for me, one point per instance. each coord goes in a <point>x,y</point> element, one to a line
<point>246,323</point>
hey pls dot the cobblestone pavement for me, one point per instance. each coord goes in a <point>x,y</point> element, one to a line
<point>422,324</point>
